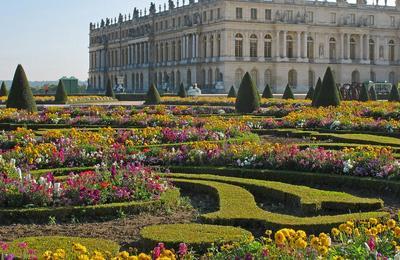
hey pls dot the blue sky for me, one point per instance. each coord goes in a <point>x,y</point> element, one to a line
<point>50,37</point>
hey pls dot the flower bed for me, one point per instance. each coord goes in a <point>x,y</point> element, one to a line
<point>71,99</point>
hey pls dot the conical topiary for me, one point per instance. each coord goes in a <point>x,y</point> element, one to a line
<point>329,94</point>
<point>372,94</point>
<point>267,93</point>
<point>182,91</point>
<point>21,96</point>
<point>316,91</point>
<point>288,94</point>
<point>248,98</point>
<point>109,89</point>
<point>153,97</point>
<point>364,93</point>
<point>61,96</point>
<point>310,93</point>
<point>232,92</point>
<point>3,90</point>
<point>394,94</point>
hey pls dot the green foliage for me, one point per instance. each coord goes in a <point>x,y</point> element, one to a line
<point>267,93</point>
<point>394,95</point>
<point>364,94</point>
<point>232,92</point>
<point>61,96</point>
<point>372,94</point>
<point>3,90</point>
<point>109,89</point>
<point>310,93</point>
<point>182,91</point>
<point>248,99</point>
<point>21,96</point>
<point>288,94</point>
<point>153,97</point>
<point>329,94</point>
<point>317,90</point>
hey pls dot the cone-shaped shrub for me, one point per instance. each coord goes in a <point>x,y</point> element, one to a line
<point>316,91</point>
<point>21,96</point>
<point>248,98</point>
<point>310,93</point>
<point>182,91</point>
<point>232,92</point>
<point>267,93</point>
<point>109,89</point>
<point>288,94</point>
<point>394,94</point>
<point>372,94</point>
<point>153,97</point>
<point>3,90</point>
<point>61,96</point>
<point>364,93</point>
<point>329,94</point>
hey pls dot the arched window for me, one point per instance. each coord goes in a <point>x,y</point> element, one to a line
<point>391,50</point>
<point>392,77</point>
<point>210,78</point>
<point>166,77</point>
<point>178,78</point>
<point>268,46</point>
<point>189,77</point>
<point>179,51</point>
<point>310,47</point>
<point>311,78</point>
<point>138,80</point>
<point>161,52</point>
<point>173,50</point>
<point>268,78</point>
<point>292,78</point>
<point>217,75</point>
<point>218,45</point>
<point>371,49</point>
<point>253,46</point>
<point>166,52</point>
<point>355,76</point>
<point>254,76</point>
<point>289,46</point>
<point>372,76</point>
<point>239,45</point>
<point>203,78</point>
<point>172,81</point>
<point>205,47</point>
<point>141,81</point>
<point>212,46</point>
<point>352,49</point>
<point>332,48</point>
<point>238,77</point>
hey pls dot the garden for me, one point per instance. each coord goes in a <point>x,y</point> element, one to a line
<point>246,176</point>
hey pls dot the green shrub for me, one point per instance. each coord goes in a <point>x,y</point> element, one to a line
<point>198,236</point>
<point>248,99</point>
<point>364,94</point>
<point>21,96</point>
<point>52,243</point>
<point>3,90</point>
<point>318,87</point>
<point>394,94</point>
<point>153,97</point>
<point>267,93</point>
<point>182,91</point>
<point>329,94</point>
<point>372,94</point>
<point>232,92</point>
<point>310,93</point>
<point>109,89</point>
<point>288,94</point>
<point>61,96</point>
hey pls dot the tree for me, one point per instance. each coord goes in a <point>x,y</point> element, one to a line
<point>232,92</point>
<point>394,94</point>
<point>310,93</point>
<point>21,96</point>
<point>329,94</point>
<point>316,91</point>
<point>3,90</point>
<point>372,94</point>
<point>109,89</point>
<point>153,97</point>
<point>267,93</point>
<point>248,98</point>
<point>288,94</point>
<point>364,93</point>
<point>182,91</point>
<point>61,96</point>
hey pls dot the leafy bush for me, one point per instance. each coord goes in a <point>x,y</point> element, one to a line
<point>372,94</point>
<point>21,96</point>
<point>153,97</point>
<point>317,90</point>
<point>364,94</point>
<point>109,89</point>
<point>394,94</point>
<point>288,94</point>
<point>182,91</point>
<point>232,92</point>
<point>267,93</point>
<point>248,99</point>
<point>3,90</point>
<point>61,95</point>
<point>329,94</point>
<point>310,93</point>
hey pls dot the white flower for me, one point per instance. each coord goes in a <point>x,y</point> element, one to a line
<point>19,173</point>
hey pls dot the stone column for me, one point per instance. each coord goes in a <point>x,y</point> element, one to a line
<point>341,46</point>
<point>193,46</point>
<point>348,46</point>
<point>361,47</point>
<point>366,55</point>
<point>298,44</point>
<point>187,46</point>
<point>305,39</point>
<point>377,48</point>
<point>277,46</point>
<point>284,44</point>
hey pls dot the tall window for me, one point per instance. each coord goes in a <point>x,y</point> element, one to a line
<point>392,77</point>
<point>212,46</point>
<point>267,46</point>
<point>205,46</point>
<point>352,18</point>
<point>253,46</point>
<point>268,15</point>
<point>173,49</point>
<point>310,48</point>
<point>352,49</point>
<point>239,13</point>
<point>310,16</point>
<point>254,76</point>
<point>179,51</point>
<point>355,76</point>
<point>239,45</point>
<point>391,50</point>
<point>332,48</point>
<point>372,76</point>
<point>392,21</point>
<point>238,77</point>
<point>311,78</point>
<point>166,52</point>
<point>268,77</point>
<point>161,52</point>
<point>333,18</point>
<point>292,78</point>
<point>253,13</point>
<point>371,49</point>
<point>289,15</point>
<point>289,46</point>
<point>371,20</point>
<point>218,45</point>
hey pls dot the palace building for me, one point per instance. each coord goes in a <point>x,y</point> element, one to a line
<point>214,42</point>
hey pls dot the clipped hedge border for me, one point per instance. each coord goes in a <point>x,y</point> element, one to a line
<point>388,187</point>
<point>237,207</point>
<point>311,202</point>
<point>198,236</point>
<point>41,215</point>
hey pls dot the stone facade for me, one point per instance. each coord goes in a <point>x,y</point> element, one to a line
<point>214,42</point>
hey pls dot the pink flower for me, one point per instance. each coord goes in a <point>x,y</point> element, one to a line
<point>371,244</point>
<point>156,252</point>
<point>4,246</point>
<point>182,249</point>
<point>23,245</point>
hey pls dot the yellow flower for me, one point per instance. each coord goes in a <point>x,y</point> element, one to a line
<point>301,234</point>
<point>394,243</point>
<point>391,223</point>
<point>280,238</point>
<point>314,242</point>
<point>79,248</point>
<point>83,257</point>
<point>357,232</point>
<point>373,221</point>
<point>335,232</point>
<point>268,232</point>
<point>397,232</point>
<point>301,244</point>
<point>47,255</point>
<point>342,227</point>
<point>374,231</point>
<point>143,256</point>
<point>323,250</point>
